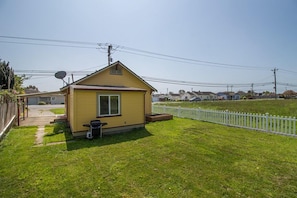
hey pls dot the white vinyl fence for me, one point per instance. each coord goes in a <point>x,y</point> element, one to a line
<point>261,122</point>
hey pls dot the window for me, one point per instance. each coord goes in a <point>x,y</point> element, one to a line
<point>109,105</point>
<point>116,70</point>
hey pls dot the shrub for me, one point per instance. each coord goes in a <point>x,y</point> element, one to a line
<point>7,96</point>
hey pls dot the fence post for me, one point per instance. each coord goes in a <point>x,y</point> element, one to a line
<point>227,117</point>
<point>294,126</point>
<point>198,113</point>
<point>267,121</point>
<point>178,112</point>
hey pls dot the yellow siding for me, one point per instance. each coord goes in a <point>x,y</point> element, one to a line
<point>126,79</point>
<point>85,109</point>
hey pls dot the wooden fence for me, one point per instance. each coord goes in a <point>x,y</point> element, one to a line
<point>8,114</point>
<point>262,122</point>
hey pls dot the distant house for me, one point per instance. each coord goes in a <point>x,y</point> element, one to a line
<point>187,96</point>
<point>156,98</point>
<point>174,97</point>
<point>35,97</point>
<point>57,99</point>
<point>205,95</point>
<point>228,96</point>
<point>114,95</point>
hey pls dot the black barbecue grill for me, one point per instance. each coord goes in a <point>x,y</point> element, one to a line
<point>95,129</point>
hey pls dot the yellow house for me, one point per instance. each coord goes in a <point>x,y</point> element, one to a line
<point>114,94</point>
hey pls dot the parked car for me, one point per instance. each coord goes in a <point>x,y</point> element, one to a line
<point>195,99</point>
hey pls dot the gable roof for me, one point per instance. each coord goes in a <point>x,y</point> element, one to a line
<point>105,68</point>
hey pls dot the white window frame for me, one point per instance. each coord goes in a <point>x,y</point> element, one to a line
<point>109,105</point>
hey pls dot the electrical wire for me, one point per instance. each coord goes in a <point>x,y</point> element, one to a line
<point>48,73</point>
<point>191,60</point>
<point>44,44</point>
<point>131,50</point>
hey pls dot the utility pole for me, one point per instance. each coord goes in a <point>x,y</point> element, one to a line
<point>252,91</point>
<point>274,72</point>
<point>109,53</point>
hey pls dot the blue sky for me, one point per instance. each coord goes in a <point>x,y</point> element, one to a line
<point>255,35</point>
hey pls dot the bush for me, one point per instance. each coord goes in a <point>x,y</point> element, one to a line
<point>7,96</point>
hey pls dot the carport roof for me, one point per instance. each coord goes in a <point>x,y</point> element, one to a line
<point>44,94</point>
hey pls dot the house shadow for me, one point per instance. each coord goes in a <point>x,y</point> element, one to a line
<point>80,143</point>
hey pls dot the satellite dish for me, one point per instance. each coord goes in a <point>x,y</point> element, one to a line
<point>60,74</point>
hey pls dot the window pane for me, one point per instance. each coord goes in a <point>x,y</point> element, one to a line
<point>114,105</point>
<point>104,106</point>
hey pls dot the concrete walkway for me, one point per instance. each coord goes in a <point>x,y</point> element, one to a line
<point>39,115</point>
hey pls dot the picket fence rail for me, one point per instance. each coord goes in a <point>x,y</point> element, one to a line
<point>262,122</point>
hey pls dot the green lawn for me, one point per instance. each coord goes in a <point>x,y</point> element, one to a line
<point>58,110</point>
<point>56,133</point>
<point>273,107</point>
<point>176,158</point>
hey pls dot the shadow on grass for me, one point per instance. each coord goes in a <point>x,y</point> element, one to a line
<point>107,139</point>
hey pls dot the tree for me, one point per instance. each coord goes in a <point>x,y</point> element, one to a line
<point>289,94</point>
<point>6,76</point>
<point>18,84</point>
<point>33,87</point>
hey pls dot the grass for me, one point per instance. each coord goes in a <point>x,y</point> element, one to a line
<point>56,133</point>
<point>273,107</point>
<point>176,158</point>
<point>58,110</point>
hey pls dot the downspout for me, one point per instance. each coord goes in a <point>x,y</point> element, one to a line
<point>144,116</point>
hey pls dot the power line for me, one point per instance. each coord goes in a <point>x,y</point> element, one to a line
<point>191,60</point>
<point>44,44</point>
<point>130,50</point>
<point>288,71</point>
<point>44,73</point>
<point>50,73</point>
<point>49,40</point>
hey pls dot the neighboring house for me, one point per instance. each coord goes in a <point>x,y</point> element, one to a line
<point>174,97</point>
<point>160,97</point>
<point>114,95</point>
<point>155,98</point>
<point>228,96</point>
<point>187,96</point>
<point>57,99</point>
<point>51,99</point>
<point>44,97</point>
<point>205,95</point>
<point>222,95</point>
<point>236,96</point>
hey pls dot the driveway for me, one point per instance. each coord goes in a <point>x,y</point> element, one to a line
<point>40,115</point>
